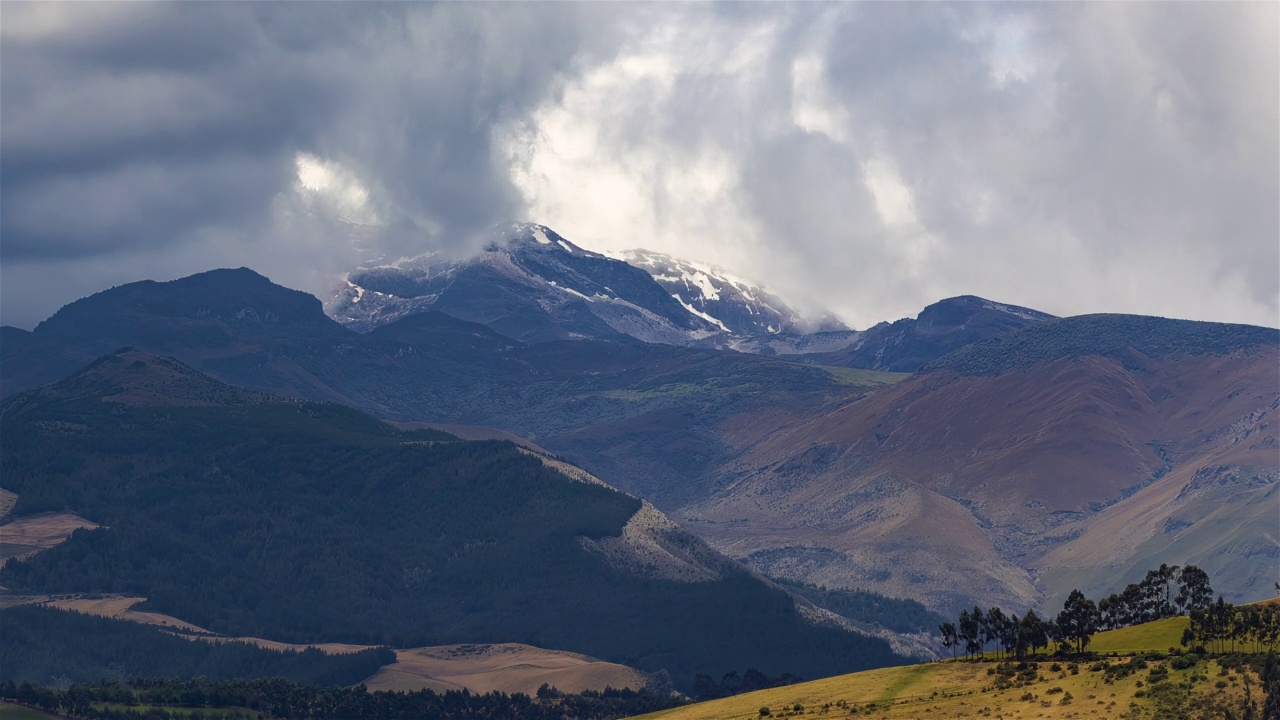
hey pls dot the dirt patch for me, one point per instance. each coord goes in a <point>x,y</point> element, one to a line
<point>120,608</point>
<point>327,648</point>
<point>27,536</point>
<point>7,501</point>
<point>507,667</point>
<point>504,667</point>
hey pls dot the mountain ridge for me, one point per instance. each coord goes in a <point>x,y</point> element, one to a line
<point>319,523</point>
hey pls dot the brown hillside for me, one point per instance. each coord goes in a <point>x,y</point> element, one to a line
<point>963,487</point>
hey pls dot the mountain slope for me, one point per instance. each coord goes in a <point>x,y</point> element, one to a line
<point>941,328</point>
<point>231,323</point>
<point>529,283</point>
<point>619,406</point>
<point>1091,444</point>
<point>312,522</point>
<point>732,304</point>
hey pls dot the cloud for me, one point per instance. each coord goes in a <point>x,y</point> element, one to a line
<point>872,158</point>
<point>867,158</point>
<point>153,139</point>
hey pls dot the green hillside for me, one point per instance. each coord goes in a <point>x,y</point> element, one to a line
<point>1156,636</point>
<point>1128,675</point>
<point>1123,336</point>
<point>308,522</point>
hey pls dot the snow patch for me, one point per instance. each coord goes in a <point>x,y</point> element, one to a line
<point>703,283</point>
<point>564,245</point>
<point>1013,310</point>
<point>694,311</point>
<point>540,236</point>
<point>571,291</point>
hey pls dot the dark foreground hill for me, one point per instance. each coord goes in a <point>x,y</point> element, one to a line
<point>306,522</point>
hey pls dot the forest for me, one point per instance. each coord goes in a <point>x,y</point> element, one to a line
<point>154,699</point>
<point>46,645</point>
<point>306,522</point>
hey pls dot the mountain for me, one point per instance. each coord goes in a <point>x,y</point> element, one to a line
<point>232,323</point>
<point>533,285</point>
<point>528,283</point>
<point>1070,453</point>
<point>941,328</point>
<point>712,293</point>
<point>1062,444</point>
<point>617,405</point>
<point>308,522</point>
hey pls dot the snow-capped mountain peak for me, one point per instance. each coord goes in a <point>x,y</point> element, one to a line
<point>527,282</point>
<point>713,293</point>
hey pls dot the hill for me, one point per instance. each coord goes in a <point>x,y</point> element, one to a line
<point>1072,453</point>
<point>309,522</point>
<point>942,328</point>
<point>1130,676</point>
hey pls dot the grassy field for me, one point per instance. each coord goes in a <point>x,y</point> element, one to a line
<point>9,711</point>
<point>969,689</point>
<point>1119,686</point>
<point>178,711</point>
<point>1156,636</point>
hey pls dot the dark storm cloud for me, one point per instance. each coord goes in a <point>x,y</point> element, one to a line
<point>157,129</point>
<point>864,157</point>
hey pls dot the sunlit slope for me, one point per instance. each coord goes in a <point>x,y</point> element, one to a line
<point>957,689</point>
<point>943,690</point>
<point>1157,636</point>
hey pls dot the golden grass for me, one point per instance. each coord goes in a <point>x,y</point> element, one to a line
<point>507,667</point>
<point>946,689</point>
<point>1159,635</point>
<point>28,535</point>
<point>120,608</point>
<point>10,711</point>
<point>7,501</point>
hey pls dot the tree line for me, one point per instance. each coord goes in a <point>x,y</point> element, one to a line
<point>1165,592</point>
<point>161,699</point>
<point>44,644</point>
<point>1223,627</point>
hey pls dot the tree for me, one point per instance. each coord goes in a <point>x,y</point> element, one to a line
<point>1010,633</point>
<point>994,628</point>
<point>1194,592</point>
<point>949,637</point>
<point>1033,633</point>
<point>970,631</point>
<point>1078,620</point>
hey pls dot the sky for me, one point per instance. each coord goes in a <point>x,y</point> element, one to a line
<point>865,159</point>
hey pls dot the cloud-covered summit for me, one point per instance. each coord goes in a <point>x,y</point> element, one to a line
<point>867,158</point>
